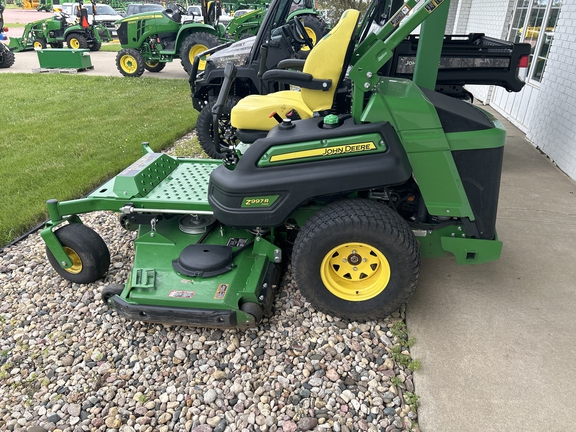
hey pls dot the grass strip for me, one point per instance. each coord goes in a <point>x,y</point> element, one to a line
<point>63,135</point>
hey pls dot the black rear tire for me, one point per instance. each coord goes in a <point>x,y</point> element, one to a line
<point>204,128</point>
<point>356,259</point>
<point>194,44</point>
<point>7,58</point>
<point>88,252</point>
<point>95,46</point>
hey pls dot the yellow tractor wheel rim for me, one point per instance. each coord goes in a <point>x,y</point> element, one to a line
<point>128,64</point>
<point>355,271</point>
<point>194,51</point>
<point>312,35</point>
<point>152,64</point>
<point>38,45</point>
<point>76,261</point>
<point>74,43</point>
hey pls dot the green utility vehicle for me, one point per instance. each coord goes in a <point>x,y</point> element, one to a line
<point>356,199</point>
<point>465,59</point>
<point>56,30</point>
<point>6,56</point>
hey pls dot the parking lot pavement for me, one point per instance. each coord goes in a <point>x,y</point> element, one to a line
<point>104,63</point>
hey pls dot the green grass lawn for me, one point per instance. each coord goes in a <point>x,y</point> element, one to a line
<point>111,46</point>
<point>63,135</point>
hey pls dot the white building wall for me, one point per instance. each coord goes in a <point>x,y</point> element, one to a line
<point>452,17</point>
<point>546,111</point>
<point>491,17</point>
<point>552,125</point>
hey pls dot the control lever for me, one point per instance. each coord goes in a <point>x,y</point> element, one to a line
<point>229,76</point>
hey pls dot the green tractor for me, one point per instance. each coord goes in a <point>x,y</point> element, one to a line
<point>356,199</point>
<point>151,39</point>
<point>56,30</point>
<point>6,56</point>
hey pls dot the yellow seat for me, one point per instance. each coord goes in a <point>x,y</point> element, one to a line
<point>326,64</point>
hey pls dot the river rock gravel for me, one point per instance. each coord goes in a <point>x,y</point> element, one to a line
<point>68,363</point>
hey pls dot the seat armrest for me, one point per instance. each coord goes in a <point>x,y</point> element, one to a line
<point>297,78</point>
<point>297,64</point>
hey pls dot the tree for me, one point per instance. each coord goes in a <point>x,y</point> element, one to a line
<point>335,8</point>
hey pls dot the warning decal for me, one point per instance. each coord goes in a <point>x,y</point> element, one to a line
<point>221,291</point>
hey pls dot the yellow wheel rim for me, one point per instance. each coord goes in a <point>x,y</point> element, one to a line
<point>74,43</point>
<point>312,35</point>
<point>128,64</point>
<point>37,45</point>
<point>194,51</point>
<point>152,64</point>
<point>355,271</point>
<point>76,261</point>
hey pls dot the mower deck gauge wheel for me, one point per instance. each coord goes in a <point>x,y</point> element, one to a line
<point>89,254</point>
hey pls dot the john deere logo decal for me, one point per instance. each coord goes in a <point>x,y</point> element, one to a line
<point>325,151</point>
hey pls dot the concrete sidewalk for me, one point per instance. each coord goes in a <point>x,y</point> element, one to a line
<point>496,340</point>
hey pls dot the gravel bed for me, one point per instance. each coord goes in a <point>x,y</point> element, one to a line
<point>68,363</point>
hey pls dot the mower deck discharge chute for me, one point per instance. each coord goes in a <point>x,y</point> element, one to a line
<point>357,199</point>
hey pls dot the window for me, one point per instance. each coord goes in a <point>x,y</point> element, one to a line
<point>534,22</point>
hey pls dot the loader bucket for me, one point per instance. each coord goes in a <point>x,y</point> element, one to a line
<point>16,44</point>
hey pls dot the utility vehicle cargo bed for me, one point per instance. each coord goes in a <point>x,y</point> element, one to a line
<point>466,59</point>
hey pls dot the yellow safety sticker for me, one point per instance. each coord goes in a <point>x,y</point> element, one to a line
<point>400,15</point>
<point>221,291</point>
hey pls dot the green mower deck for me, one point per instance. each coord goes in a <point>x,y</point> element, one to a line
<point>171,195</point>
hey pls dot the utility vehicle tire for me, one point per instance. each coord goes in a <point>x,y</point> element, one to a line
<point>7,58</point>
<point>110,291</point>
<point>194,44</point>
<point>88,252</point>
<point>356,259</point>
<point>76,41</point>
<point>39,43</point>
<point>316,29</point>
<point>154,66</point>
<point>57,45</point>
<point>130,62</point>
<point>95,46</point>
<point>205,131</point>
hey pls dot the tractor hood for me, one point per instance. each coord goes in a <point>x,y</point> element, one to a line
<point>141,16</point>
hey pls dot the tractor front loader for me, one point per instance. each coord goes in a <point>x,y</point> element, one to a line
<point>358,198</point>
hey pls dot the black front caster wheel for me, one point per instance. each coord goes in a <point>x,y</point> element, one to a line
<point>88,252</point>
